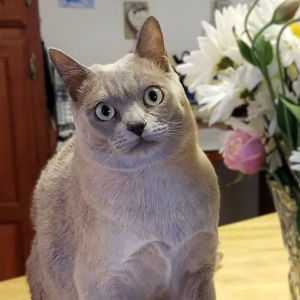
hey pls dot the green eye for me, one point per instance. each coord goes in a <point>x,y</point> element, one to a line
<point>105,111</point>
<point>153,96</point>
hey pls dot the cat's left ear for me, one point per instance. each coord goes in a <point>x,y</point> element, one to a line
<point>75,76</point>
<point>151,45</point>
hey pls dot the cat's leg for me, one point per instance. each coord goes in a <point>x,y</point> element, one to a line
<point>207,292</point>
<point>93,286</point>
<point>196,287</point>
<point>193,266</point>
<point>34,276</point>
<point>149,268</point>
<point>49,275</point>
<point>143,276</point>
<point>112,289</point>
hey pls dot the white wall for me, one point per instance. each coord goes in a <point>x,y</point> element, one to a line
<point>97,35</point>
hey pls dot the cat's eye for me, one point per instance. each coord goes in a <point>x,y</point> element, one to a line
<point>105,111</point>
<point>153,96</point>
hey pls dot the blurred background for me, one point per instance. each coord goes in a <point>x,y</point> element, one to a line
<point>35,118</point>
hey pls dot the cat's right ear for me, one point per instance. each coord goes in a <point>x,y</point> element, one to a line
<point>74,75</point>
<point>151,45</point>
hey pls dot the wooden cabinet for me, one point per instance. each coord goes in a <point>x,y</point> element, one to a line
<point>24,129</point>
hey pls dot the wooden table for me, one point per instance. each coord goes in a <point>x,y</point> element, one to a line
<point>254,266</point>
<point>255,263</point>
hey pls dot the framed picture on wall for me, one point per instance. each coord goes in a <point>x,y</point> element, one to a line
<point>220,4</point>
<point>77,3</point>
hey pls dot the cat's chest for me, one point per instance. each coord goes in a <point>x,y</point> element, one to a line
<point>124,215</point>
<point>166,210</point>
<point>165,205</point>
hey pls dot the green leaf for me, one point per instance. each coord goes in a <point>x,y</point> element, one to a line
<point>298,135</point>
<point>239,177</point>
<point>293,108</point>
<point>280,107</point>
<point>246,51</point>
<point>280,117</point>
<point>298,220</point>
<point>263,50</point>
<point>282,112</point>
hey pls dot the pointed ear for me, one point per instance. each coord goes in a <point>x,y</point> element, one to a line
<point>150,44</point>
<point>75,76</point>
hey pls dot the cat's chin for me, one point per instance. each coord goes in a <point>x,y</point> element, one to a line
<point>138,155</point>
<point>142,145</point>
<point>138,147</point>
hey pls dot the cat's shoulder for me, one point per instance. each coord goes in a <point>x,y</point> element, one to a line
<point>203,180</point>
<point>63,157</point>
<point>65,153</point>
<point>59,167</point>
<point>54,183</point>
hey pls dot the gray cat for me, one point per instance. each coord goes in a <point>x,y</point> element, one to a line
<point>128,209</point>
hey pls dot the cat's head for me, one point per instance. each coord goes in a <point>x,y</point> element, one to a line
<point>132,113</point>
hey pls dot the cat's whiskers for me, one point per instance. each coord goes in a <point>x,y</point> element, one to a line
<point>174,130</point>
<point>173,136</point>
<point>109,157</point>
<point>102,147</point>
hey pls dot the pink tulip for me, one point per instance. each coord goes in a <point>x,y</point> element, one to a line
<point>243,152</point>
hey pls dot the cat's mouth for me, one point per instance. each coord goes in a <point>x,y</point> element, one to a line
<point>142,144</point>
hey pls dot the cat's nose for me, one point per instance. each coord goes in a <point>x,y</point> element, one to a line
<point>136,127</point>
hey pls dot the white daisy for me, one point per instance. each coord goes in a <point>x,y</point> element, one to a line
<point>290,40</point>
<point>295,159</point>
<point>216,48</point>
<point>260,109</point>
<point>239,123</point>
<point>224,96</point>
<point>230,18</point>
<point>290,46</point>
<point>201,65</point>
<point>296,89</point>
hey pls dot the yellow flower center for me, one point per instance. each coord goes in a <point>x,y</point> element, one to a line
<point>295,28</point>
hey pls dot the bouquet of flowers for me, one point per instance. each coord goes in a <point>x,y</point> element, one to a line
<point>251,59</point>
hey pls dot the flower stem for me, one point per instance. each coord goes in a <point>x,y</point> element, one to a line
<point>269,84</point>
<point>276,177</point>
<point>288,128</point>
<point>262,67</point>
<point>261,31</point>
<point>290,180</point>
<point>247,19</point>
<point>265,73</point>
<point>263,70</point>
<point>271,152</point>
<point>256,59</point>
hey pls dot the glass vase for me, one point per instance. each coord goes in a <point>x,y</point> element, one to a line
<point>287,211</point>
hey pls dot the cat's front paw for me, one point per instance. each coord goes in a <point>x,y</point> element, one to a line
<point>148,269</point>
<point>193,265</point>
